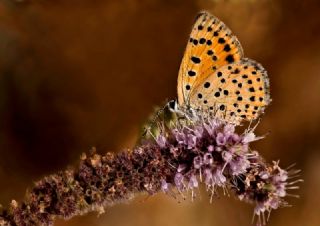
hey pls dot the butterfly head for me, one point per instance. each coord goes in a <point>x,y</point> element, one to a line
<point>182,112</point>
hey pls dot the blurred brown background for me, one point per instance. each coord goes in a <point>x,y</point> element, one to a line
<point>81,73</point>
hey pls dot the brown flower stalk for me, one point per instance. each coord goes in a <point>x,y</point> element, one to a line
<point>209,152</point>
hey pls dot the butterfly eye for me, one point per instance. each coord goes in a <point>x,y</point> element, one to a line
<point>173,105</point>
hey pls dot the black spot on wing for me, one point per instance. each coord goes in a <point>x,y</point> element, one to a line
<point>191,73</point>
<point>230,59</point>
<point>202,40</point>
<point>206,85</point>
<point>227,48</point>
<point>221,40</point>
<point>195,60</point>
<point>210,52</point>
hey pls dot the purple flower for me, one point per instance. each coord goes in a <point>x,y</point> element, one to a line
<point>224,157</point>
<point>274,203</point>
<point>180,136</point>
<point>229,129</point>
<point>210,148</point>
<point>207,159</point>
<point>208,176</point>
<point>164,186</point>
<point>239,165</point>
<point>264,175</point>
<point>198,131</point>
<point>211,126</point>
<point>249,137</point>
<point>221,139</point>
<point>178,180</point>
<point>161,141</point>
<point>227,156</point>
<point>218,178</point>
<point>181,168</point>
<point>197,162</point>
<point>234,138</point>
<point>191,141</point>
<point>193,182</point>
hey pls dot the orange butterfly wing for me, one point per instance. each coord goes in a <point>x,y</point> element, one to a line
<point>235,92</point>
<point>211,45</point>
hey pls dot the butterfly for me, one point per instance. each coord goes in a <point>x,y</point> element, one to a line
<point>215,77</point>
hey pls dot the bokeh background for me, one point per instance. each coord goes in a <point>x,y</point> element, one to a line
<point>81,73</point>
